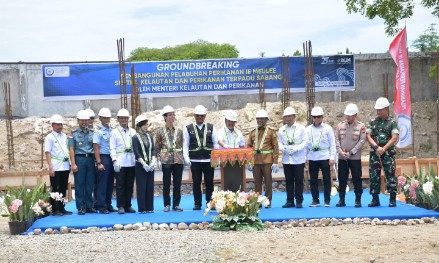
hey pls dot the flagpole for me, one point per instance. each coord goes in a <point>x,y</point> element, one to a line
<point>410,91</point>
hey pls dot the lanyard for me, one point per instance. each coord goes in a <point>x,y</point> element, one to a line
<point>121,135</point>
<point>286,134</point>
<point>320,139</point>
<point>143,147</point>
<point>198,138</point>
<point>263,138</point>
<point>65,155</point>
<point>227,137</point>
<point>167,138</point>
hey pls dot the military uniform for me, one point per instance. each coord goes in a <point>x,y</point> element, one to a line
<point>169,148</point>
<point>350,138</point>
<point>105,178</point>
<point>82,144</point>
<point>381,131</point>
<point>265,146</point>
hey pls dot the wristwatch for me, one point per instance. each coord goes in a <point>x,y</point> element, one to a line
<point>98,163</point>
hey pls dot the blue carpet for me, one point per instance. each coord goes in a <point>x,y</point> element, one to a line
<point>276,213</point>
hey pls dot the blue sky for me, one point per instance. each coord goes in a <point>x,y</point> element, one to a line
<point>60,30</point>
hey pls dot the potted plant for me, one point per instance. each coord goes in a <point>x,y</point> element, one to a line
<point>23,205</point>
<point>237,210</point>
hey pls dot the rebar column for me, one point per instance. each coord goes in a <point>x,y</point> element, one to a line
<point>9,131</point>
<point>135,98</point>
<point>122,73</point>
<point>309,79</point>
<point>286,95</point>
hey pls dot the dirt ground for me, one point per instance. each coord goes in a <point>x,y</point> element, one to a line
<point>28,131</point>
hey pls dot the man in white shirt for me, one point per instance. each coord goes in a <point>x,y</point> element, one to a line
<point>321,155</point>
<point>57,157</point>
<point>121,152</point>
<point>292,140</point>
<point>229,136</point>
<point>199,140</point>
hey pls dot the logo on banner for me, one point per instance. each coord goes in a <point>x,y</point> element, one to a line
<point>59,71</point>
<point>405,136</point>
<point>326,60</point>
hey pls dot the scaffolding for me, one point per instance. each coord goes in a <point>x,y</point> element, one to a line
<point>9,130</point>
<point>309,79</point>
<point>122,73</point>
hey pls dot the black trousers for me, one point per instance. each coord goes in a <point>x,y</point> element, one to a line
<point>174,171</point>
<point>343,174</point>
<point>314,167</point>
<point>58,183</point>
<point>124,186</point>
<point>198,169</point>
<point>145,189</point>
<point>294,181</point>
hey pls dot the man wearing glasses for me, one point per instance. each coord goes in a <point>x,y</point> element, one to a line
<point>321,155</point>
<point>199,140</point>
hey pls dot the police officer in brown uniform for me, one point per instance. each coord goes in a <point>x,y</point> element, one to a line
<point>263,140</point>
<point>350,135</point>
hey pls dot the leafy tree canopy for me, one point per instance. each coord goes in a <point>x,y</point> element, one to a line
<point>429,41</point>
<point>199,49</point>
<point>392,11</point>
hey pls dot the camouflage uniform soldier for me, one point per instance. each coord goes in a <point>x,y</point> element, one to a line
<point>382,134</point>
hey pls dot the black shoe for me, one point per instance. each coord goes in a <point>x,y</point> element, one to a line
<point>392,203</point>
<point>375,202</point>
<point>327,204</point>
<point>91,210</point>
<point>177,208</point>
<point>288,205</point>
<point>167,208</point>
<point>130,210</point>
<point>268,206</point>
<point>111,209</point>
<point>315,203</point>
<point>57,213</point>
<point>65,212</point>
<point>121,211</point>
<point>197,207</point>
<point>299,205</point>
<point>104,211</point>
<point>81,212</point>
<point>340,203</point>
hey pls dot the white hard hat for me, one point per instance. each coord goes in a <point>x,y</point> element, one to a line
<point>90,112</point>
<point>140,118</point>
<point>351,109</point>
<point>200,110</point>
<point>289,111</point>
<point>167,109</point>
<point>105,112</point>
<point>56,118</point>
<point>317,111</point>
<point>261,114</point>
<point>382,103</point>
<point>123,113</point>
<point>231,116</point>
<point>83,115</point>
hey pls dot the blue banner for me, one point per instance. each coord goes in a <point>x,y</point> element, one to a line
<point>196,77</point>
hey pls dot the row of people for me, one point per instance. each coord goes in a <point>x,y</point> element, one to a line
<point>98,156</point>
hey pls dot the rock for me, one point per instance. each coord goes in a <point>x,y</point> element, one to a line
<point>347,221</point>
<point>84,231</point>
<point>92,229</point>
<point>48,231</point>
<point>426,219</point>
<point>163,226</point>
<point>142,228</point>
<point>356,221</point>
<point>147,225</point>
<point>76,231</point>
<point>118,227</point>
<point>193,226</point>
<point>64,230</point>
<point>372,260</point>
<point>37,231</point>
<point>55,232</point>
<point>136,226</point>
<point>104,229</point>
<point>155,226</point>
<point>182,226</point>
<point>128,227</point>
<point>172,226</point>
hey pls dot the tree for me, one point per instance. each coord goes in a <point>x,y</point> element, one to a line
<point>199,49</point>
<point>297,53</point>
<point>392,11</point>
<point>429,41</point>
